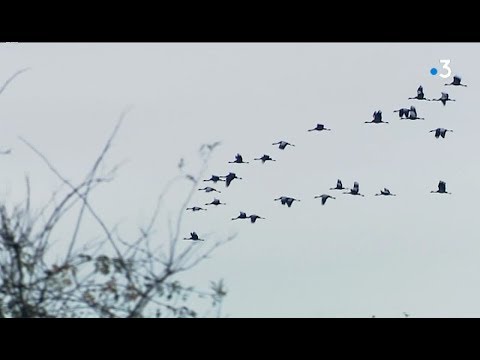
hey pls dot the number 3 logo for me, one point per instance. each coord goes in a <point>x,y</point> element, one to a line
<point>446,67</point>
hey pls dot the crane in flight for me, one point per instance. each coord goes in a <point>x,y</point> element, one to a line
<point>282,144</point>
<point>194,237</point>
<point>324,198</point>
<point>442,188</point>
<point>457,81</point>
<point>440,132</point>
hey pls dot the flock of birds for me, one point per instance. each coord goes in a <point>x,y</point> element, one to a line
<point>404,114</point>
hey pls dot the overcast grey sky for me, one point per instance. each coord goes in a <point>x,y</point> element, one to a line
<point>354,257</point>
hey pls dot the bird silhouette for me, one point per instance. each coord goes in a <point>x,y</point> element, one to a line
<point>412,114</point>
<point>238,160</point>
<point>440,132</point>
<point>339,186</point>
<point>241,216</point>
<point>324,198</point>
<point>377,118</point>
<point>254,218</point>
<point>285,200</point>
<point>265,158</point>
<point>196,208</point>
<point>444,98</point>
<point>216,202</point>
<point>209,189</point>
<point>229,178</point>
<point>355,190</point>
<point>420,94</point>
<point>385,192</point>
<point>282,144</point>
<point>456,81</point>
<point>194,237</point>
<point>214,178</point>
<point>442,188</point>
<point>320,127</point>
<point>402,113</point>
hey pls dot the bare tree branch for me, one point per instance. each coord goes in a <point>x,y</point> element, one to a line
<point>75,190</point>
<point>89,180</point>
<point>135,282</point>
<point>10,79</point>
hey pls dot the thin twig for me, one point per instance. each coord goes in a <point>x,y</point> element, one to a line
<point>89,179</point>
<point>10,79</point>
<point>75,190</point>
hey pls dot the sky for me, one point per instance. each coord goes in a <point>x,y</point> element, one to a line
<point>354,257</point>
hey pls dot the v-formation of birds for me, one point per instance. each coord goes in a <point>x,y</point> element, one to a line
<point>404,114</point>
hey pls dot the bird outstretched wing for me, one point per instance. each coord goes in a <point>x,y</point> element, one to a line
<point>413,111</point>
<point>442,186</point>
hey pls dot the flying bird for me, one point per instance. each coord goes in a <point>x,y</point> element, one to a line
<point>456,81</point>
<point>214,178</point>
<point>238,160</point>
<point>265,158</point>
<point>339,186</point>
<point>241,216</point>
<point>320,127</point>
<point>209,189</point>
<point>377,118</point>
<point>194,237</point>
<point>442,188</point>
<point>412,114</point>
<point>216,202</point>
<point>440,132</point>
<point>229,178</point>
<point>402,113</point>
<point>385,192</point>
<point>420,94</point>
<point>254,218</point>
<point>444,98</point>
<point>355,190</point>
<point>282,144</point>
<point>196,208</point>
<point>324,198</point>
<point>285,200</point>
